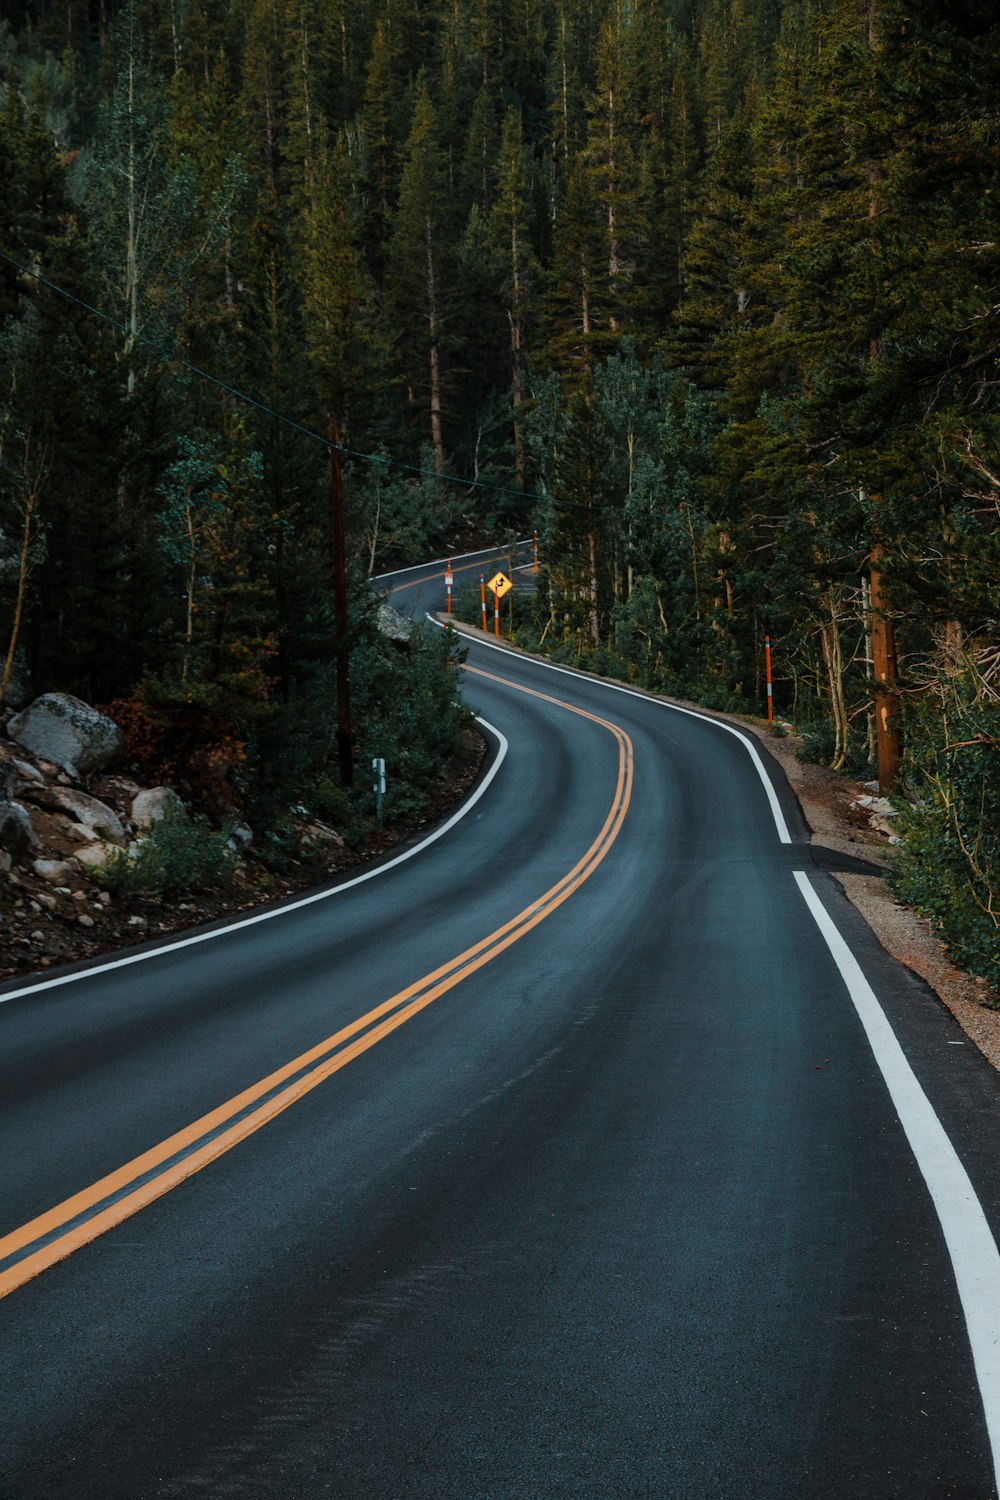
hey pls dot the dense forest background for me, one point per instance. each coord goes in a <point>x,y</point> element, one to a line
<point>708,291</point>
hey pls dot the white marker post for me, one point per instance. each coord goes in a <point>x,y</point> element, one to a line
<point>378,787</point>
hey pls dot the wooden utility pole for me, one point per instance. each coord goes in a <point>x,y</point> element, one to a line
<point>338,557</point>
<point>887,732</point>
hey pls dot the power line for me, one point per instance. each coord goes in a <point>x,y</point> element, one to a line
<point>356,453</point>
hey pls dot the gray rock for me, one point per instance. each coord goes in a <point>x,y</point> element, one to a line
<point>96,818</point>
<point>94,856</point>
<point>883,824</point>
<point>393,625</point>
<point>879,807</point>
<point>64,729</point>
<point>17,836</point>
<point>5,862</point>
<point>56,870</point>
<point>152,805</point>
<point>28,772</point>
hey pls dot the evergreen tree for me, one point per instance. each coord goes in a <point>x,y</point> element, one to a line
<point>419,269</point>
<point>516,262</point>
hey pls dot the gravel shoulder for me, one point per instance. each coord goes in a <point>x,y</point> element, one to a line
<point>827,799</point>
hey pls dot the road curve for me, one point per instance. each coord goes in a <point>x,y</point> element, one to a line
<point>566,1157</point>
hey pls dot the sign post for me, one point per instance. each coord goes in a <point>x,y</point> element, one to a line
<point>500,584</point>
<point>378,787</point>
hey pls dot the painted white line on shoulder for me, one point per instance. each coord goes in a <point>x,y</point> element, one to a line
<point>784,836</point>
<point>195,938</point>
<point>971,1245</point>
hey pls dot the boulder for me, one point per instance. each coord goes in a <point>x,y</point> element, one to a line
<point>64,729</point>
<point>152,805</point>
<point>96,818</point>
<point>17,836</point>
<point>94,856</point>
<point>394,626</point>
<point>56,870</point>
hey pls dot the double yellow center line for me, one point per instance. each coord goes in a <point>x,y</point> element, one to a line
<point>53,1235</point>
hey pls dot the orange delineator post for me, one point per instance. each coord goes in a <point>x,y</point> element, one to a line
<point>448,581</point>
<point>767,663</point>
<point>482,596</point>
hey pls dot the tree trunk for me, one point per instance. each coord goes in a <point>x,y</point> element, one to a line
<point>833,660</point>
<point>33,484</point>
<point>516,344</point>
<point>595,627</point>
<point>887,731</point>
<point>437,438</point>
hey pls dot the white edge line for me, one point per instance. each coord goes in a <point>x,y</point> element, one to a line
<point>784,836</point>
<point>289,906</point>
<point>973,1250</point>
<point>438,562</point>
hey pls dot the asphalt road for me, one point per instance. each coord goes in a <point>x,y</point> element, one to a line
<point>559,1158</point>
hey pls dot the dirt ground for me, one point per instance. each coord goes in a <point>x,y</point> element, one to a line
<point>826,799</point>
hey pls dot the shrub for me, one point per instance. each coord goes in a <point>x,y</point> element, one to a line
<point>949,864</point>
<point>179,854</point>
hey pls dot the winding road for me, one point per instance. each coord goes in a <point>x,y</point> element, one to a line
<point>592,1148</point>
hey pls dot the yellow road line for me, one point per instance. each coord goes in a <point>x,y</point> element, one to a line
<point>430,577</point>
<point>283,1087</point>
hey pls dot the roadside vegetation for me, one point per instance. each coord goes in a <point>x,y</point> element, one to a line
<point>706,291</point>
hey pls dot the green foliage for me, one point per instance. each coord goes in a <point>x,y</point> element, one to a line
<point>181,853</point>
<point>716,280</point>
<point>409,713</point>
<point>949,864</point>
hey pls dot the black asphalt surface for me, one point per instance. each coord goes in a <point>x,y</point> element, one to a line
<point>626,1213</point>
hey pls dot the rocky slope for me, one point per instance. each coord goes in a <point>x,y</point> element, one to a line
<point>60,825</point>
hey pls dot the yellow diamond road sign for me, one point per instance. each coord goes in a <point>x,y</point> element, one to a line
<point>500,584</point>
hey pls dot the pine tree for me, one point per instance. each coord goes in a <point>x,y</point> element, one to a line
<point>378,184</point>
<point>418,271</point>
<point>574,297</point>
<point>616,183</point>
<point>514,254</point>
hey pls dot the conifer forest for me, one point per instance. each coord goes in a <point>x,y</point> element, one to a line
<point>707,292</point>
